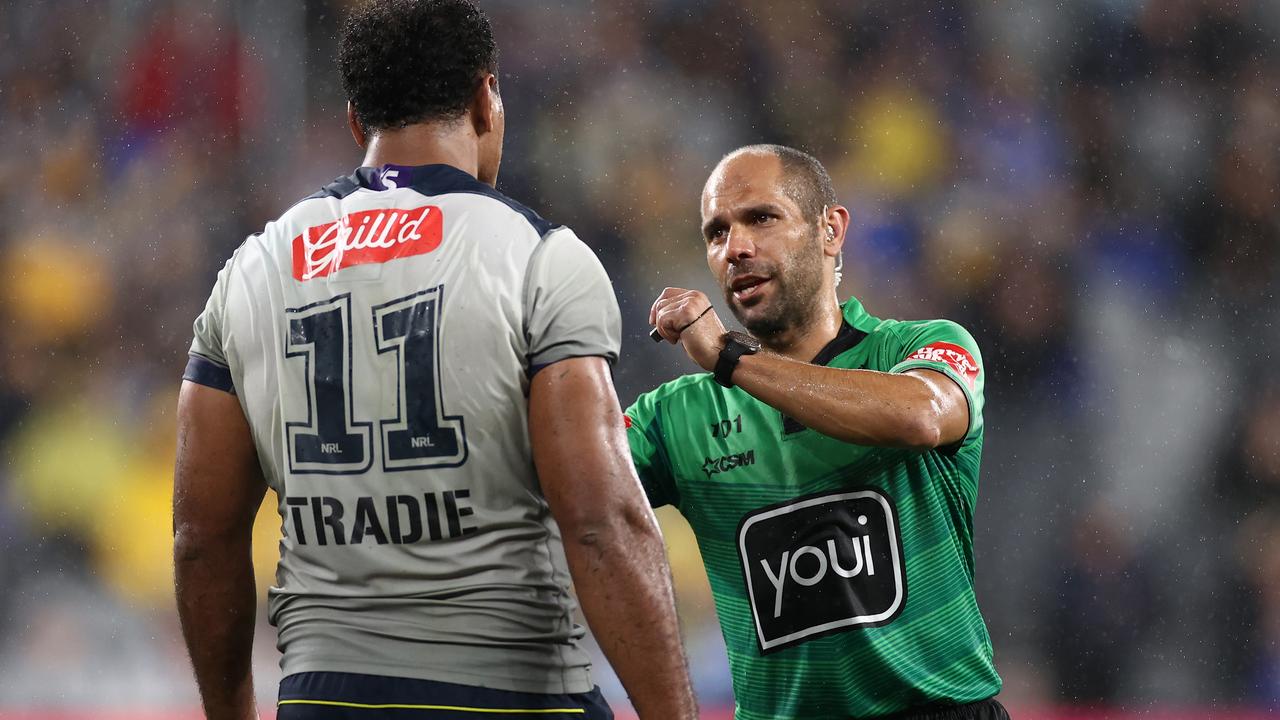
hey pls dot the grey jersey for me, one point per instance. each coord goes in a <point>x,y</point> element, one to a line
<point>381,337</point>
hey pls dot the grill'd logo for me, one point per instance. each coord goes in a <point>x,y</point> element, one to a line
<point>369,236</point>
<point>822,564</point>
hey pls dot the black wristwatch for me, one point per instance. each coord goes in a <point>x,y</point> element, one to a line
<point>736,344</point>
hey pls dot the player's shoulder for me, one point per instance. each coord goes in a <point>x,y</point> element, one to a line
<point>246,258</point>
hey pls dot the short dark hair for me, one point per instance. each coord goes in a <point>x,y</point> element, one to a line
<point>807,182</point>
<point>410,61</point>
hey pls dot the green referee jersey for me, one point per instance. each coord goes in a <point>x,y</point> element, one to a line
<point>842,574</point>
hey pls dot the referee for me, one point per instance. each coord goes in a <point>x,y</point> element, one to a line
<point>827,462</point>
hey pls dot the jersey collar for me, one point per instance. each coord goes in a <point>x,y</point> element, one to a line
<point>857,316</point>
<point>855,323</point>
<point>846,338</point>
<point>439,176</point>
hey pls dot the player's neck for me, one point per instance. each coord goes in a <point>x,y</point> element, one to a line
<point>425,144</point>
<point>804,342</point>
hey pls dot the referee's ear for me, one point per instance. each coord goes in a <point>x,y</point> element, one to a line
<point>837,220</point>
<point>353,123</point>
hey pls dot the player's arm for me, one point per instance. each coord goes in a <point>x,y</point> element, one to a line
<point>218,487</point>
<point>611,537</point>
<point>919,408</point>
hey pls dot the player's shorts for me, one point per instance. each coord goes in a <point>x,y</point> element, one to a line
<point>350,696</point>
<point>988,709</point>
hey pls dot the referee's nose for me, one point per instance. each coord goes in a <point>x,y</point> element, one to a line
<point>739,245</point>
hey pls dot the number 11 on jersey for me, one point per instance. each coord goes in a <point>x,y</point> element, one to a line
<point>330,441</point>
<point>421,435</point>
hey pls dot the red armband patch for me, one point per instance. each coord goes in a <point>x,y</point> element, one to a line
<point>626,421</point>
<point>953,355</point>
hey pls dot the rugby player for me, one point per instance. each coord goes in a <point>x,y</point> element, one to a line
<point>827,462</point>
<point>418,366</point>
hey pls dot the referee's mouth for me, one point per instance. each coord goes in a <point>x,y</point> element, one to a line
<point>748,289</point>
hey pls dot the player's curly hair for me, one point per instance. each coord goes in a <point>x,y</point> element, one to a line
<point>410,61</point>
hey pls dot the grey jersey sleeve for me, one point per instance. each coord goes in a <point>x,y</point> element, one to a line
<point>208,362</point>
<point>570,309</point>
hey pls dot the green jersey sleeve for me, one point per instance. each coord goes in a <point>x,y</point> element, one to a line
<point>948,348</point>
<point>649,450</point>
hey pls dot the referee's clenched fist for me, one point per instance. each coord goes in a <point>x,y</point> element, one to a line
<point>687,315</point>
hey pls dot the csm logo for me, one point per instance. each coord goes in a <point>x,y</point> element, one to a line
<point>711,466</point>
<point>822,564</point>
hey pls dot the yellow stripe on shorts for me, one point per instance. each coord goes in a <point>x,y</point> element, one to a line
<point>455,708</point>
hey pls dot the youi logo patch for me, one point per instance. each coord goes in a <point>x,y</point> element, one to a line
<point>822,564</point>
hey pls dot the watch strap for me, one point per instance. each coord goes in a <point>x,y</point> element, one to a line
<point>730,355</point>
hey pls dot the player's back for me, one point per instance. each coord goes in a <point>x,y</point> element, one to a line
<point>381,336</point>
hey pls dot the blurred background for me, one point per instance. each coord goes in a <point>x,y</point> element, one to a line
<point>1091,187</point>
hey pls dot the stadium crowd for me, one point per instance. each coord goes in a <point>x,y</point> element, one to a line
<point>1091,187</point>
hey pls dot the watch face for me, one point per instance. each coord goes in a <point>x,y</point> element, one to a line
<point>751,344</point>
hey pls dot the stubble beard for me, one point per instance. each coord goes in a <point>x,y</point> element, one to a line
<point>795,299</point>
